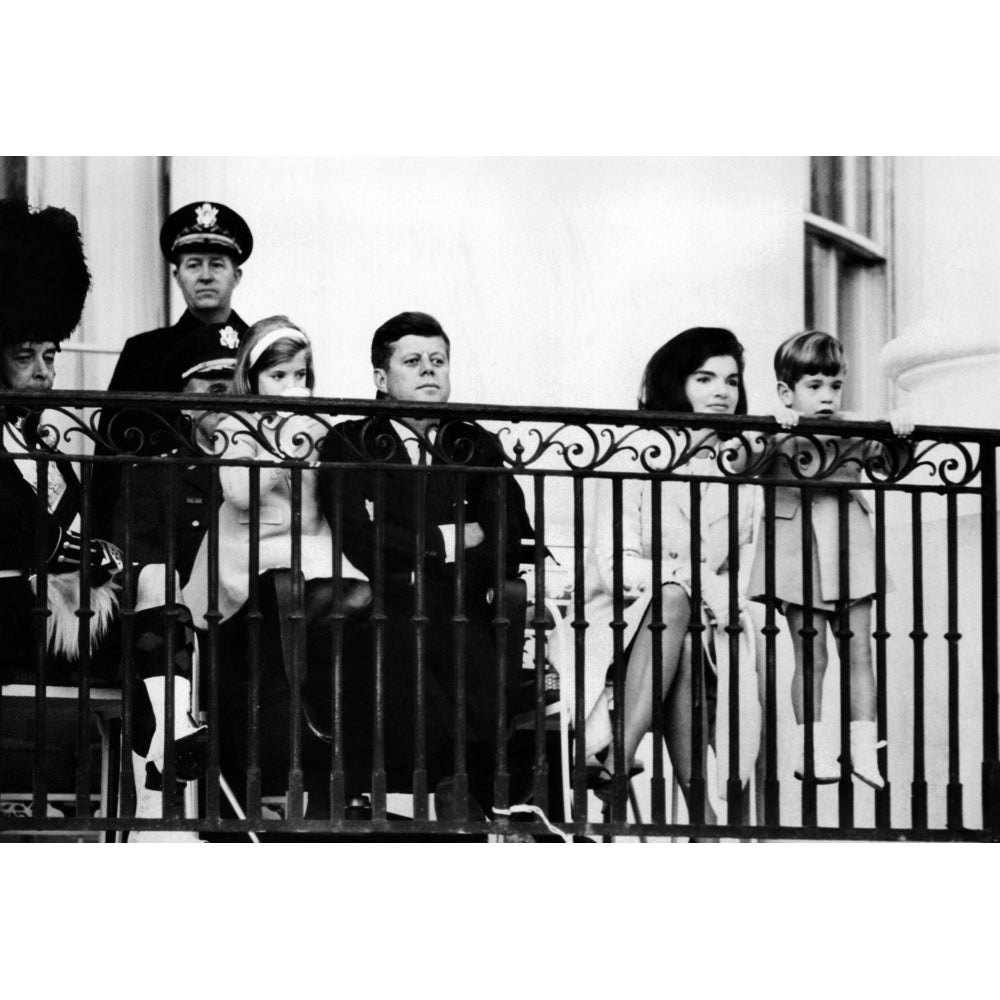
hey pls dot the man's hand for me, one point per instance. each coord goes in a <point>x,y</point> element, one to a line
<point>474,535</point>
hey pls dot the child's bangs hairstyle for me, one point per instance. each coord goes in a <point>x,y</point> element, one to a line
<point>680,357</point>
<point>809,353</point>
<point>252,360</point>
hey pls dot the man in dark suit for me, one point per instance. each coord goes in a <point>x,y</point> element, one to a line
<point>206,244</point>
<point>415,534</point>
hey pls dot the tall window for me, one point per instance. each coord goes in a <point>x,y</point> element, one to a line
<point>13,176</point>
<point>848,226</point>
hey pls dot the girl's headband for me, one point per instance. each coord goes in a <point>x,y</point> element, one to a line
<point>269,338</point>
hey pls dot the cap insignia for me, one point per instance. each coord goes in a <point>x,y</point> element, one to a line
<point>228,337</point>
<point>206,215</point>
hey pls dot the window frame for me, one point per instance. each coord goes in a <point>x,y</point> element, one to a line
<point>859,272</point>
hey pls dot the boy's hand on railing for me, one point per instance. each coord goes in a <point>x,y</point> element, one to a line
<point>901,421</point>
<point>785,415</point>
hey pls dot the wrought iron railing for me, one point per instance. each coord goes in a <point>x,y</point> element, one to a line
<point>933,509</point>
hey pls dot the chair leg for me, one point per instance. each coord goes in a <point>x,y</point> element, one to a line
<point>110,730</point>
<point>674,801</point>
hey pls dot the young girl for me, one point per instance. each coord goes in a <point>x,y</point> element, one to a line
<point>275,359</point>
<point>698,371</point>
<point>810,369</point>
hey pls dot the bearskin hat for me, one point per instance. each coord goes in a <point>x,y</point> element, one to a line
<point>43,273</point>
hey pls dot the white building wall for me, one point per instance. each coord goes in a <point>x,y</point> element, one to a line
<point>555,277</point>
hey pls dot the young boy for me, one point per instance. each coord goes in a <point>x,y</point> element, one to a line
<point>810,369</point>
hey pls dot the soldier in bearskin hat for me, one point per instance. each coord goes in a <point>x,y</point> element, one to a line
<point>43,283</point>
<point>206,243</point>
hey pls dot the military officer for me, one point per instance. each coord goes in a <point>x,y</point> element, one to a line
<point>202,362</point>
<point>206,244</point>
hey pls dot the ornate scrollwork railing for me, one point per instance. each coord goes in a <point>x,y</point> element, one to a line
<point>544,439</point>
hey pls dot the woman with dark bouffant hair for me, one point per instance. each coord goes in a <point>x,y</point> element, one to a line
<point>698,371</point>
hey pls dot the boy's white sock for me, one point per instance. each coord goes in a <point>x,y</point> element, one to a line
<point>864,759</point>
<point>825,766</point>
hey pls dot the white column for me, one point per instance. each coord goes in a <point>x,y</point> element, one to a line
<point>947,263</point>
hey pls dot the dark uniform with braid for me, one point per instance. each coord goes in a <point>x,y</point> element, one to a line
<point>43,283</point>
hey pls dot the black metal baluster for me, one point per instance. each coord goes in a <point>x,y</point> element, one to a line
<point>658,782</point>
<point>459,632</point>
<point>883,814</point>
<point>501,792</point>
<point>419,620</point>
<point>991,724</point>
<point>698,792</point>
<point>213,617</point>
<point>379,620</point>
<point>84,615</point>
<point>538,623</point>
<point>952,637</point>
<point>772,784</point>
<point>254,624</point>
<point>579,659</point>
<point>127,613</point>
<point>296,620</point>
<point>41,613</point>
<point>173,803</point>
<point>919,636</point>
<point>734,786</point>
<point>337,790</point>
<point>845,787</point>
<point>618,624</point>
<point>809,634</point>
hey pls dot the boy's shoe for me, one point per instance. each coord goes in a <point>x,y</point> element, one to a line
<point>864,755</point>
<point>826,770</point>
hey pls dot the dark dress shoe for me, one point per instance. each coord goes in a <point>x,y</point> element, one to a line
<point>445,803</point>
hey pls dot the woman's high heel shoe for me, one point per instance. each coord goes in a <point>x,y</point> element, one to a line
<point>601,781</point>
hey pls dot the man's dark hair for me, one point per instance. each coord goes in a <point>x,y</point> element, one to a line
<point>416,323</point>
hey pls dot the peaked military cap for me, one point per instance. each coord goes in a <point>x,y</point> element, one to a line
<point>206,225</point>
<point>207,351</point>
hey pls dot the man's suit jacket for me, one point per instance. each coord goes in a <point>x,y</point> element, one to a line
<point>141,367</point>
<point>458,443</point>
<point>374,440</point>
